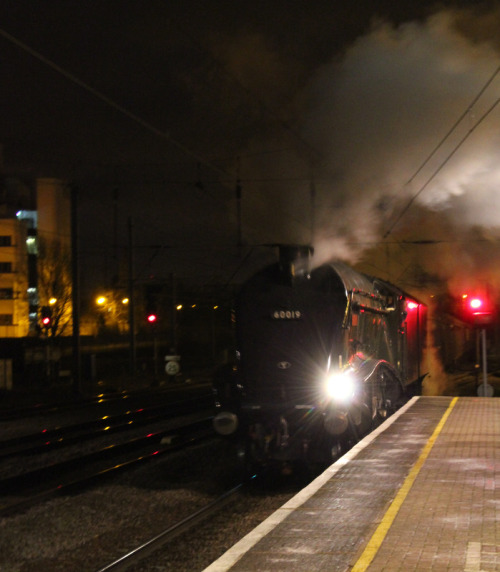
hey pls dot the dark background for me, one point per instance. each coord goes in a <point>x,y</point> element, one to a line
<point>157,111</point>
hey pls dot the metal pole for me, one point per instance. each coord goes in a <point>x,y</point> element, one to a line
<point>485,366</point>
<point>155,355</point>
<point>239,241</point>
<point>312,191</point>
<point>115,237</point>
<point>419,343</point>
<point>238,214</point>
<point>477,365</point>
<point>75,294</point>
<point>173,331</point>
<point>131,303</point>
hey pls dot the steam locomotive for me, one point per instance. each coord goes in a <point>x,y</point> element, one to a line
<point>322,356</point>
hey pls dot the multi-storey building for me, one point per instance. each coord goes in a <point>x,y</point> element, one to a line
<point>14,282</point>
<point>28,214</point>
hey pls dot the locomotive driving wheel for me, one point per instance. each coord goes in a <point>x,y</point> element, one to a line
<point>386,393</point>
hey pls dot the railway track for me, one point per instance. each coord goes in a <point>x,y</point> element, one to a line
<point>28,488</point>
<point>201,386</point>
<point>36,466</point>
<point>145,550</point>
<point>178,496</point>
<point>56,407</point>
<point>62,436</point>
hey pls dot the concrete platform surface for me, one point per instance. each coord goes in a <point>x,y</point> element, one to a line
<point>420,493</point>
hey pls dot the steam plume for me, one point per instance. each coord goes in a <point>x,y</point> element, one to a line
<point>379,113</point>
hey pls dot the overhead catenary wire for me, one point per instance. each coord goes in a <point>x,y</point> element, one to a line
<point>166,135</point>
<point>455,125</point>
<point>225,176</point>
<point>441,166</point>
<point>110,102</point>
<point>441,143</point>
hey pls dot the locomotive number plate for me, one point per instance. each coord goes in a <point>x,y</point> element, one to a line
<point>286,315</point>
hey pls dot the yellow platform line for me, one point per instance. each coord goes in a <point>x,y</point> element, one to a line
<point>376,540</point>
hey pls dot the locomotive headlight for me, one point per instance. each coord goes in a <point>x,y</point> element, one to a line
<point>341,386</point>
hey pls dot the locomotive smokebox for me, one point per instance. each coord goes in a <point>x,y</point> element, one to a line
<point>295,260</point>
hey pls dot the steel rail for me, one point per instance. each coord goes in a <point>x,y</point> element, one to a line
<point>54,482</point>
<point>155,544</point>
<point>46,440</point>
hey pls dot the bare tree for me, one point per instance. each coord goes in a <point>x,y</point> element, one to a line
<point>55,283</point>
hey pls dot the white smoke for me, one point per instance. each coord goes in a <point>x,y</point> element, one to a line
<point>378,114</point>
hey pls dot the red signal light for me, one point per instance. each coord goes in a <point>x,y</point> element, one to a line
<point>479,309</point>
<point>151,318</point>
<point>46,316</point>
<point>476,303</point>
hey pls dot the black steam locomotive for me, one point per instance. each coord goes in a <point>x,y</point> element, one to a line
<point>322,355</point>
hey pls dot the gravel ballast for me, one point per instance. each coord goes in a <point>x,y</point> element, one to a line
<point>86,531</point>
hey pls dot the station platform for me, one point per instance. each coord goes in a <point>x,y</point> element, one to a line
<point>421,492</point>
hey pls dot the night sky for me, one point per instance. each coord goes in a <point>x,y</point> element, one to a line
<point>169,105</point>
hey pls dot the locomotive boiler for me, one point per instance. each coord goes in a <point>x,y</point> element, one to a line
<point>323,354</point>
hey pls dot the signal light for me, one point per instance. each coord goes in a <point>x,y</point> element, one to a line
<point>151,318</point>
<point>475,303</point>
<point>478,306</point>
<point>479,309</point>
<point>46,315</point>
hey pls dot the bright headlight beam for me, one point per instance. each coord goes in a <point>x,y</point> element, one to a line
<point>340,386</point>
